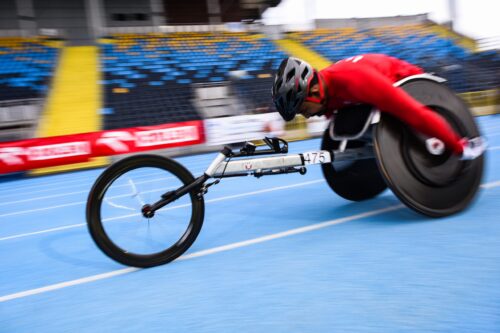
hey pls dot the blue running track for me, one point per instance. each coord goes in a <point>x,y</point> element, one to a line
<point>278,254</point>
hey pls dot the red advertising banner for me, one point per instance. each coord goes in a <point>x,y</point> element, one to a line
<point>67,149</point>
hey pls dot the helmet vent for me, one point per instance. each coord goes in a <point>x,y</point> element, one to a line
<point>282,67</point>
<point>290,75</point>
<point>278,84</point>
<point>304,73</point>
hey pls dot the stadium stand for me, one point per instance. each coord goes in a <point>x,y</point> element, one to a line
<point>151,78</point>
<point>151,75</point>
<point>477,72</point>
<point>421,44</point>
<point>26,65</point>
<point>26,69</point>
<point>414,43</point>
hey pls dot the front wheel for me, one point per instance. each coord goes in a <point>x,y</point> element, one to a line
<point>114,211</point>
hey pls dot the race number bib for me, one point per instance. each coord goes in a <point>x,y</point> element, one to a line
<point>317,157</point>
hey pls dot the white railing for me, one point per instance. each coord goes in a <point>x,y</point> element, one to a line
<point>30,32</point>
<point>490,43</point>
<point>16,33</point>
<point>228,27</point>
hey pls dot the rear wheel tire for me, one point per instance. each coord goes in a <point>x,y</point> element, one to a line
<point>432,185</point>
<point>357,180</point>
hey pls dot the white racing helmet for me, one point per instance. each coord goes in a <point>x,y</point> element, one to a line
<point>290,86</point>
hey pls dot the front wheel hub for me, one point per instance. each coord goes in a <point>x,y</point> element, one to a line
<point>147,212</point>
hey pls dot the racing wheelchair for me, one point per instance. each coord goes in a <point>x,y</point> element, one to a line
<point>362,153</point>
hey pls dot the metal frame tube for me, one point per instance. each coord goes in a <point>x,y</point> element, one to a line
<point>251,165</point>
<point>254,164</point>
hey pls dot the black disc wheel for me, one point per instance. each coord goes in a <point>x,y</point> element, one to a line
<point>117,215</point>
<point>354,180</point>
<point>434,185</point>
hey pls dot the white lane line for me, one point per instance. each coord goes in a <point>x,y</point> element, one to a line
<point>67,284</point>
<point>189,162</point>
<point>489,128</point>
<point>8,203</point>
<point>78,180</point>
<point>202,253</point>
<point>49,188</point>
<point>44,231</point>
<point>80,192</point>
<point>66,182</point>
<point>168,208</point>
<point>45,180</point>
<point>266,190</point>
<point>86,191</point>
<point>79,203</point>
<point>87,185</point>
<point>229,197</point>
<point>218,249</point>
<point>290,232</point>
<point>491,185</point>
<point>43,209</point>
<point>485,186</point>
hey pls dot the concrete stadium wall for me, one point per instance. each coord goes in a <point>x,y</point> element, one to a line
<point>69,18</point>
<point>8,15</point>
<point>130,13</point>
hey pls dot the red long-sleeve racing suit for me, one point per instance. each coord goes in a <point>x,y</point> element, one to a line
<point>369,78</point>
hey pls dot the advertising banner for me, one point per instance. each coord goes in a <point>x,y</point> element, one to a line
<point>68,149</point>
<point>220,131</point>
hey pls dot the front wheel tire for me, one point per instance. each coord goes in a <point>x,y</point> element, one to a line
<point>116,222</point>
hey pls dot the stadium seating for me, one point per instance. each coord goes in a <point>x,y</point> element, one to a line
<point>418,44</point>
<point>151,75</point>
<point>148,78</point>
<point>26,65</point>
<point>480,71</point>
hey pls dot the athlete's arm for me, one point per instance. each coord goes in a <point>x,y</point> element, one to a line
<point>367,85</point>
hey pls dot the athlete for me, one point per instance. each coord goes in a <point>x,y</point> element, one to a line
<point>367,78</point>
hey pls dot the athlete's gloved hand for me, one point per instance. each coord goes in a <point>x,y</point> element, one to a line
<point>473,148</point>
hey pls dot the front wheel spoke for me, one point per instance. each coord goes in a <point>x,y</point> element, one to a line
<point>112,204</point>
<point>135,192</point>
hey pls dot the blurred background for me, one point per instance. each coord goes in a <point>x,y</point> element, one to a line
<point>84,66</point>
